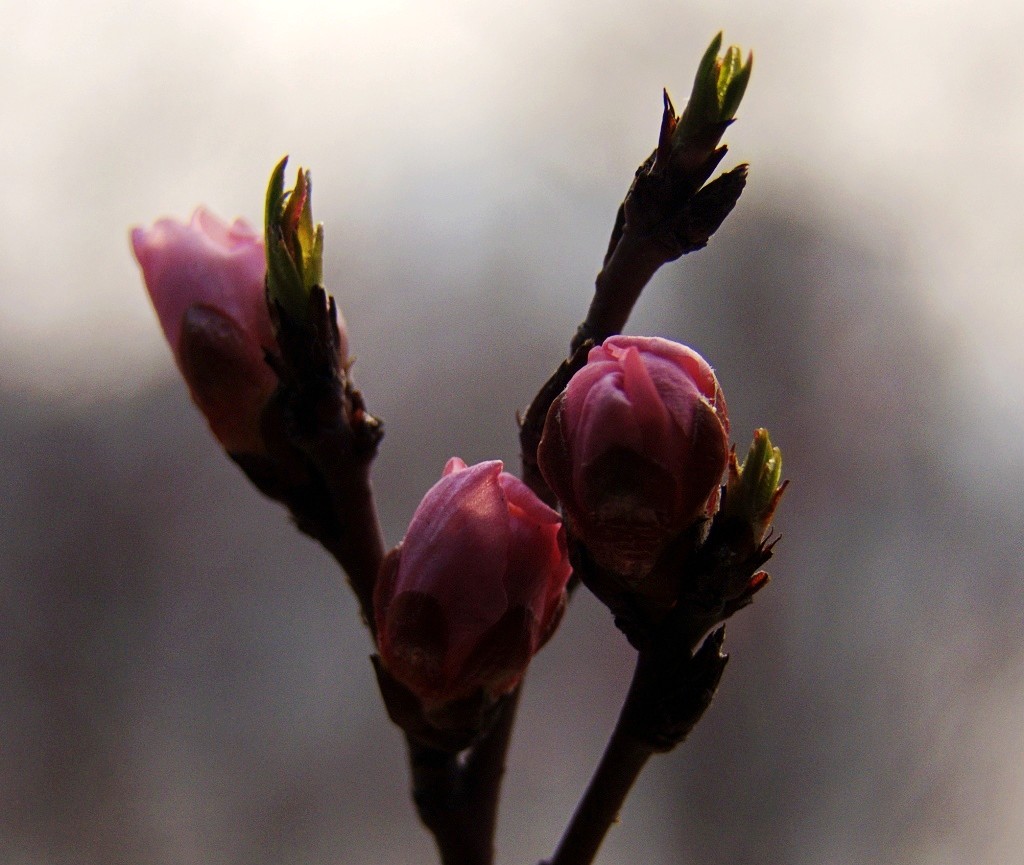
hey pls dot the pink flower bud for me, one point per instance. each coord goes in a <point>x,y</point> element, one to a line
<point>475,588</point>
<point>206,283</point>
<point>635,448</point>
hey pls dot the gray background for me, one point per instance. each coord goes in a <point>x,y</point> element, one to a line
<point>183,678</point>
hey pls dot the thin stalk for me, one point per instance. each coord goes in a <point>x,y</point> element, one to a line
<point>629,267</point>
<point>624,758</point>
<point>670,692</point>
<point>358,545</point>
<point>485,765</point>
<point>445,807</point>
<point>457,798</point>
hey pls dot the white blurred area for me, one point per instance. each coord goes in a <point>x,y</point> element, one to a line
<point>421,120</point>
<point>467,160</point>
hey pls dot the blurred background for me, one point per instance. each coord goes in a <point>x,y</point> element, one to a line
<point>183,678</point>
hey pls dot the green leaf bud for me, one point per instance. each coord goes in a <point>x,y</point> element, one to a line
<point>294,243</point>
<point>754,488</point>
<point>718,89</point>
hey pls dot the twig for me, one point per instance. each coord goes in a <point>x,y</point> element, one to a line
<point>324,442</point>
<point>620,766</point>
<point>485,764</point>
<point>444,805</point>
<point>668,696</point>
<point>667,213</point>
<point>457,799</point>
<point>358,545</point>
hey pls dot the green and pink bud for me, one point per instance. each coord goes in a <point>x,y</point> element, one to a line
<point>635,448</point>
<point>206,281</point>
<point>474,590</point>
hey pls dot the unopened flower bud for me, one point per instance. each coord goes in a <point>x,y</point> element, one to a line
<point>474,589</point>
<point>635,448</point>
<point>206,281</point>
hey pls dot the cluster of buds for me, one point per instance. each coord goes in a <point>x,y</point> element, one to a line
<point>230,304</point>
<point>635,449</point>
<point>478,584</point>
<point>632,450</point>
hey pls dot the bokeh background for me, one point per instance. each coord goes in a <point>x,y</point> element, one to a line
<point>183,678</point>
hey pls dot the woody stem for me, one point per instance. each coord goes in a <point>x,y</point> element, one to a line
<point>457,800</point>
<point>624,758</point>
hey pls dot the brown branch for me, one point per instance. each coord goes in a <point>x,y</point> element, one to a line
<point>669,694</point>
<point>667,212</point>
<point>623,760</point>
<point>663,217</point>
<point>485,764</point>
<point>341,515</point>
<point>358,546</point>
<point>444,804</point>
<point>457,798</point>
<point>320,445</point>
